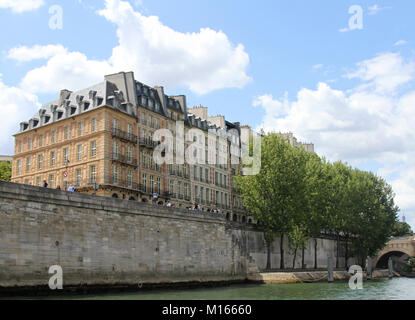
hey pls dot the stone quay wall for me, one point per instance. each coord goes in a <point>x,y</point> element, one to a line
<point>106,242</point>
<point>109,242</point>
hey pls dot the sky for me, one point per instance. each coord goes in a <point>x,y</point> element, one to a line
<point>339,74</point>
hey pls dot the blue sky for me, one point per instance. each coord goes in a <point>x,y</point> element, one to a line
<point>279,65</point>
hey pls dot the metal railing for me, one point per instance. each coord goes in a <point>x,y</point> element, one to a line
<point>124,135</point>
<point>124,159</point>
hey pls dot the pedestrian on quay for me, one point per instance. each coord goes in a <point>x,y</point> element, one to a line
<point>45,184</point>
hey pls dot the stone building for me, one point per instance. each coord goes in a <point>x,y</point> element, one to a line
<point>101,140</point>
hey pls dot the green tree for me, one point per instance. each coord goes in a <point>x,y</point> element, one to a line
<point>5,171</point>
<point>373,212</point>
<point>401,229</point>
<point>276,196</point>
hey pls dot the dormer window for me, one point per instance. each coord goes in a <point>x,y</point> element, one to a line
<point>73,110</point>
<point>47,118</point>
<point>60,114</point>
<point>99,101</point>
<point>35,122</point>
<point>86,106</point>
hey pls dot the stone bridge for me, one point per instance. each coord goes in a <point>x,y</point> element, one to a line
<point>401,248</point>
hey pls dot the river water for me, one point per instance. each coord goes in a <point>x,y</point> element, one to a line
<point>380,289</point>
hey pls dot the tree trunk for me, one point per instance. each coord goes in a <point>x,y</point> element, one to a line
<point>302,258</point>
<point>295,256</point>
<point>268,256</point>
<point>282,252</point>
<point>338,251</point>
<point>315,253</point>
<point>347,253</point>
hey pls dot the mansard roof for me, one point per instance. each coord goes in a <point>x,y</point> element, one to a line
<point>71,104</point>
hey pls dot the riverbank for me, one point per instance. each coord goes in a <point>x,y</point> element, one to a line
<point>308,276</point>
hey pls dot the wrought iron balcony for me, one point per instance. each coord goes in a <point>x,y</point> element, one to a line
<point>124,159</point>
<point>124,135</point>
<point>144,142</point>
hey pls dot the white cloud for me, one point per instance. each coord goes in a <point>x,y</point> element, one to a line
<point>370,122</point>
<point>375,9</point>
<point>15,105</point>
<point>19,6</point>
<point>203,62</point>
<point>318,66</point>
<point>385,73</point>
<point>400,43</point>
<point>24,54</point>
<point>344,30</point>
<point>70,70</point>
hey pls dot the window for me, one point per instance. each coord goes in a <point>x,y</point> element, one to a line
<point>67,133</point>
<point>207,175</point>
<point>224,181</point>
<point>207,195</point>
<point>115,149</point>
<point>115,174</point>
<point>66,156</point>
<point>51,181</point>
<point>186,191</point>
<point>150,160</point>
<point>144,182</point>
<point>29,144</point>
<point>143,118</point>
<point>41,140</point>
<point>40,162</point>
<point>114,124</point>
<point>129,154</point>
<point>93,174</point>
<point>52,158</point>
<point>151,184</point>
<point>144,159</point>
<point>94,125</point>
<point>19,166</point>
<point>20,146</point>
<point>201,173</point>
<point>129,178</point>
<point>93,148</point>
<point>157,123</point>
<point>196,192</point>
<point>54,136</point>
<point>171,188</point>
<point>150,121</point>
<point>79,153</point>
<point>129,129</point>
<point>80,128</point>
<point>195,172</point>
<point>158,183</point>
<point>78,177</point>
<point>38,182</point>
<point>28,163</point>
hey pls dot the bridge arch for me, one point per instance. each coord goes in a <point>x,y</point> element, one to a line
<point>383,257</point>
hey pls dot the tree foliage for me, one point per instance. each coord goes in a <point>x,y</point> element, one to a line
<point>401,229</point>
<point>299,195</point>
<point>5,171</point>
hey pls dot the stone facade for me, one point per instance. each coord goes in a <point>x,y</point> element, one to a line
<point>101,140</point>
<point>100,241</point>
<point>103,241</point>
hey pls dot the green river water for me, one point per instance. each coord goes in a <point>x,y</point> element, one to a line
<point>381,289</point>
